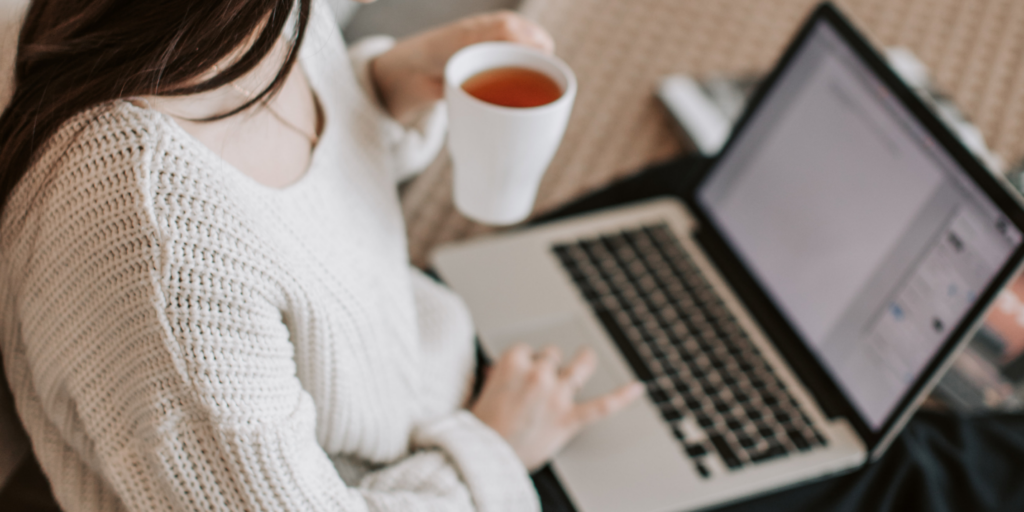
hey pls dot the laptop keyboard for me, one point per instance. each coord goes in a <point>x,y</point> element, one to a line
<point>707,378</point>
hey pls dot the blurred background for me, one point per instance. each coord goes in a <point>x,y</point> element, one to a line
<point>403,17</point>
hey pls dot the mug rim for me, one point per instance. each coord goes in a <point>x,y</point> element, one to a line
<point>568,94</point>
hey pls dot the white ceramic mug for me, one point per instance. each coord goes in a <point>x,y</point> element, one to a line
<point>500,153</point>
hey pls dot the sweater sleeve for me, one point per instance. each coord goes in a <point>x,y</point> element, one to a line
<point>174,380</point>
<point>413,147</point>
<point>252,429</point>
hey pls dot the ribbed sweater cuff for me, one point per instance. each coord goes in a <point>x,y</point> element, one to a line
<point>362,54</point>
<point>496,478</point>
<point>414,147</point>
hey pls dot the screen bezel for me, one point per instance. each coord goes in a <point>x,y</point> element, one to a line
<point>778,329</point>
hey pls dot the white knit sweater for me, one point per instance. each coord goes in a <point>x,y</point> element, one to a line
<point>179,337</point>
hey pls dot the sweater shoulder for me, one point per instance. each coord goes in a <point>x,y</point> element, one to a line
<point>115,163</point>
<point>95,165</point>
<point>96,143</point>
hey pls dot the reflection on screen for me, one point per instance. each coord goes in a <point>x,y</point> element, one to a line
<point>864,235</point>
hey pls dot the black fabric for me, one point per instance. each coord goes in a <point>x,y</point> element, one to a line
<point>940,462</point>
<point>28,490</point>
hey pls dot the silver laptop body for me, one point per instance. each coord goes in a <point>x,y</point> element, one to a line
<point>729,413</point>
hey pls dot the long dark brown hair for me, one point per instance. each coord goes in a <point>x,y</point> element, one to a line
<point>76,54</point>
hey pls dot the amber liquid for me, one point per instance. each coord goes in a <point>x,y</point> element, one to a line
<point>513,87</point>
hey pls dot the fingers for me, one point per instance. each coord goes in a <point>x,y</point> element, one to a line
<point>512,27</point>
<point>520,353</point>
<point>522,30</point>
<point>549,356</point>
<point>521,360</point>
<point>579,370</point>
<point>516,362</point>
<point>589,412</point>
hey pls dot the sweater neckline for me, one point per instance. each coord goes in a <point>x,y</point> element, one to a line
<point>316,155</point>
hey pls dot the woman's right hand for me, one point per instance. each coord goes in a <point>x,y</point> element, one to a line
<point>410,76</point>
<point>529,399</point>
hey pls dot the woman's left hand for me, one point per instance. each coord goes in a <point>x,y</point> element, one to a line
<point>410,76</point>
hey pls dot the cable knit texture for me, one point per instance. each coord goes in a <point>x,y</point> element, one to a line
<point>179,337</point>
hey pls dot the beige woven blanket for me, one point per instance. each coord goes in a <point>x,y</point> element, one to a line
<point>620,48</point>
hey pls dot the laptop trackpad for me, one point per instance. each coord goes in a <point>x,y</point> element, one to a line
<point>570,335</point>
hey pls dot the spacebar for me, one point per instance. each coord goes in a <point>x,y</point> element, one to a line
<point>610,325</point>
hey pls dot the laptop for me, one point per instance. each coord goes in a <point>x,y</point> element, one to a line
<point>788,311</point>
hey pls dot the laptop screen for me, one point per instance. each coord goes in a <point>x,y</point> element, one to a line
<point>871,240</point>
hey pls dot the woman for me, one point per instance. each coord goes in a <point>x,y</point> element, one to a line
<point>206,299</point>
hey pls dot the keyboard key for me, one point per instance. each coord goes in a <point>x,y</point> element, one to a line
<point>671,413</point>
<point>676,432</point>
<point>696,450</point>
<point>705,421</point>
<point>798,440</point>
<point>772,452</point>
<point>728,456</point>
<point>657,394</point>
<point>691,431</point>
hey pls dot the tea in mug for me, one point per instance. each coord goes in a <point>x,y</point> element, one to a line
<point>513,87</point>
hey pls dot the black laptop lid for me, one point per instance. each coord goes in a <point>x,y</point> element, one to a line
<point>874,236</point>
